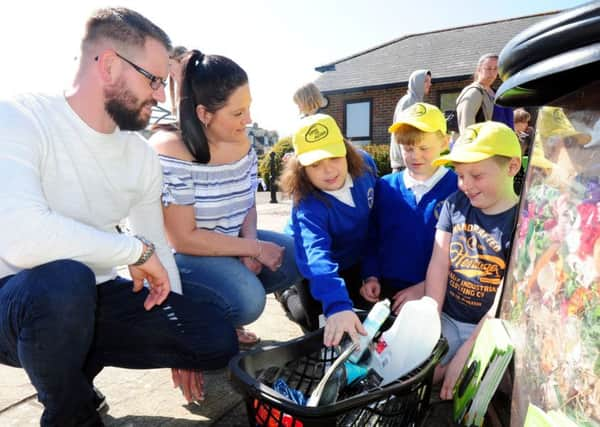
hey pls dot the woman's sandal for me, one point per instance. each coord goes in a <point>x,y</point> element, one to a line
<point>246,338</point>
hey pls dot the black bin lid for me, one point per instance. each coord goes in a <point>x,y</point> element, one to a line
<point>551,58</point>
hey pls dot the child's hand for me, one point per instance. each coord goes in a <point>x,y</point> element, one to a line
<point>371,289</point>
<point>411,293</point>
<point>339,323</point>
<point>453,371</point>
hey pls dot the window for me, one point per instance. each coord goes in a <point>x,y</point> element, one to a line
<point>448,101</point>
<point>448,107</point>
<point>357,117</point>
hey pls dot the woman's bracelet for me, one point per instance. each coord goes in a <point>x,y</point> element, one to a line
<point>257,257</point>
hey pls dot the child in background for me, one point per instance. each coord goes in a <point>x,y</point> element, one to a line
<point>407,204</point>
<point>524,133</point>
<point>309,99</point>
<point>472,239</point>
<point>332,188</point>
<point>522,128</point>
<point>296,300</point>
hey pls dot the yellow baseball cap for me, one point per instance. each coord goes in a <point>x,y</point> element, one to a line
<point>318,138</point>
<point>482,141</point>
<point>538,158</point>
<point>423,116</point>
<point>552,121</point>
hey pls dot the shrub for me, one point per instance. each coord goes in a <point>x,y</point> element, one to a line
<point>281,147</point>
<point>381,155</point>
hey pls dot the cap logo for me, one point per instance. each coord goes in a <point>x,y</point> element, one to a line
<point>559,118</point>
<point>419,110</point>
<point>470,136</point>
<point>316,133</point>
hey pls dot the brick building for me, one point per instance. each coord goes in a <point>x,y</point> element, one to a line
<point>362,90</point>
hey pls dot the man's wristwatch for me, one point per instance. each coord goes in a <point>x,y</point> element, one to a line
<point>148,251</point>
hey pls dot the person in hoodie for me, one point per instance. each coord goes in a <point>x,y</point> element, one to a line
<point>419,85</point>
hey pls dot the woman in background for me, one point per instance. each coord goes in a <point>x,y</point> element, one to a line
<point>475,103</point>
<point>175,75</point>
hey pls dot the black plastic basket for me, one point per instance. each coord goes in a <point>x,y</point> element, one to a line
<point>302,363</point>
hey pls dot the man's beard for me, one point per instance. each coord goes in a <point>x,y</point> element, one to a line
<point>123,107</point>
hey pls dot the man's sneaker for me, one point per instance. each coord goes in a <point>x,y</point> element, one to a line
<point>100,401</point>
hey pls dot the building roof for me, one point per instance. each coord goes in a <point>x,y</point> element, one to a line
<point>450,54</point>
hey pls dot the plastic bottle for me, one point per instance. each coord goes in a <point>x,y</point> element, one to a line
<point>334,378</point>
<point>372,323</point>
<point>409,341</point>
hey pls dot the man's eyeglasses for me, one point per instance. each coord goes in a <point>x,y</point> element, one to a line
<point>155,81</point>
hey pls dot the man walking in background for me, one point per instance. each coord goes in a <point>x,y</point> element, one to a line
<point>419,85</point>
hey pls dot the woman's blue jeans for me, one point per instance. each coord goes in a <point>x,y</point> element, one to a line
<point>63,329</point>
<point>228,284</point>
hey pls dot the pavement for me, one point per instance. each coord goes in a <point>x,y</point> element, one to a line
<point>144,398</point>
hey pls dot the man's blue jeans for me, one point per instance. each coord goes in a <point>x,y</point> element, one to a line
<point>228,284</point>
<point>63,329</point>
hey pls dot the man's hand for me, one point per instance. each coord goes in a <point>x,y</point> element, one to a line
<point>190,382</point>
<point>251,264</point>
<point>270,254</point>
<point>342,322</point>
<point>157,277</point>
<point>411,293</point>
<point>371,289</point>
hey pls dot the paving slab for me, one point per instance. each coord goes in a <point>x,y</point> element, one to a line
<point>14,387</point>
<point>147,397</point>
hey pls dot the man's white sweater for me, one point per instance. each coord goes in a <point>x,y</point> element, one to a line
<point>64,187</point>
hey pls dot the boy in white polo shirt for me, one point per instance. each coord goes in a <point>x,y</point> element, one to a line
<point>407,204</point>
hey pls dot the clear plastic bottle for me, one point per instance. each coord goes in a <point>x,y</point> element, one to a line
<point>378,314</point>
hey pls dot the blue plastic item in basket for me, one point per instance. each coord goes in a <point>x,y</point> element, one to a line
<point>295,396</point>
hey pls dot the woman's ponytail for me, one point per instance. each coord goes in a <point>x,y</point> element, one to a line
<point>192,131</point>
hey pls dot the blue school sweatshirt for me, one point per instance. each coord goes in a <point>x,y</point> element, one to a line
<point>329,236</point>
<point>401,232</point>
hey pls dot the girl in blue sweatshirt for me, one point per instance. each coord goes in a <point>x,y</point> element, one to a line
<point>332,187</point>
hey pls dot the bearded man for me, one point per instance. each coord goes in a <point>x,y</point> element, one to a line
<point>72,169</point>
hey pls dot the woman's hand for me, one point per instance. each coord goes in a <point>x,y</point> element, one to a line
<point>270,254</point>
<point>251,264</point>
<point>342,322</point>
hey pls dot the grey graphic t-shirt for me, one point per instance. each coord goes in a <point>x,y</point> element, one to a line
<point>478,251</point>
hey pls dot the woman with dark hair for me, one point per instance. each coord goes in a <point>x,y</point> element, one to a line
<point>210,181</point>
